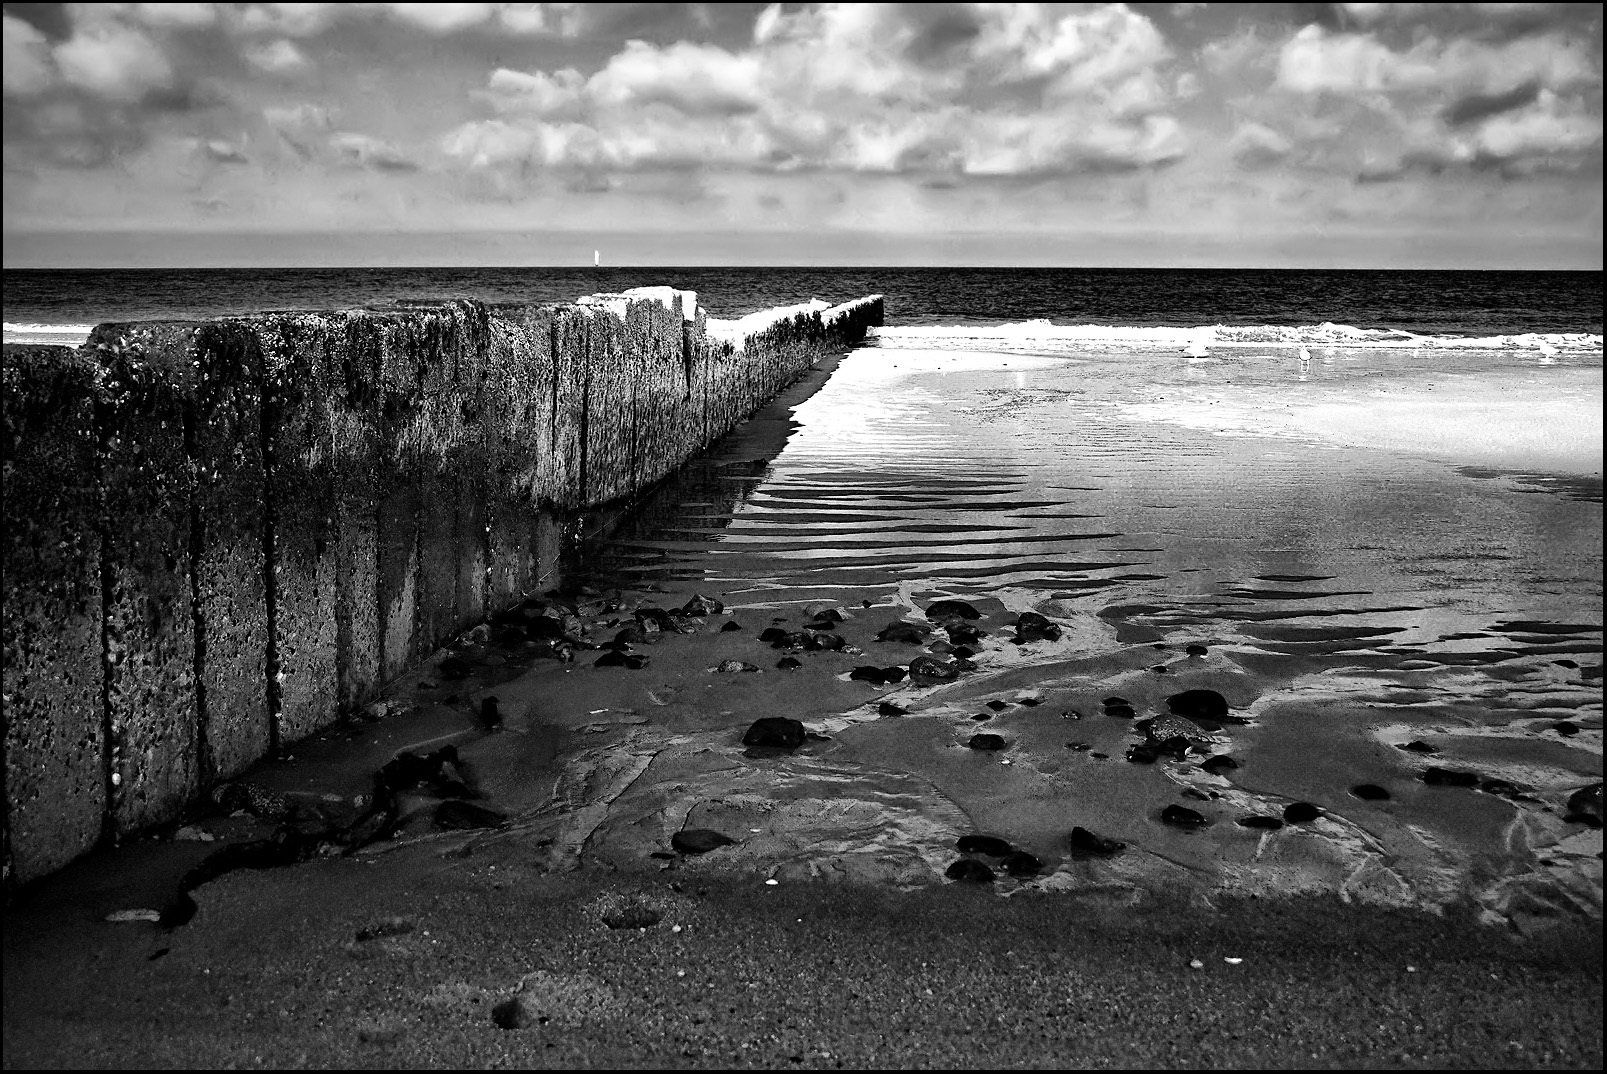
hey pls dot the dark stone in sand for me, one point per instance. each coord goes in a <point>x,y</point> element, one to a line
<point>821,624</point>
<point>1570,664</point>
<point>509,1014</point>
<point>829,641</point>
<point>893,674</point>
<point>827,615</point>
<point>699,840</point>
<point>1195,650</point>
<point>907,633</point>
<point>1070,714</point>
<point>969,870</point>
<point>887,708</point>
<point>943,608</point>
<point>990,845</point>
<point>1080,747</point>
<point>986,742</point>
<point>1121,712</point>
<point>1182,817</point>
<point>1030,702</point>
<point>1370,792</point>
<point>1445,777</point>
<point>616,646</point>
<point>1161,669</point>
<point>793,639</point>
<point>1195,704</point>
<point>510,636</point>
<point>983,716</point>
<point>788,663</point>
<point>1100,756</point>
<point>466,816</point>
<point>1144,753</point>
<point>545,626</point>
<point>657,616</point>
<point>407,770</point>
<point>490,714</point>
<point>1566,728</point>
<point>1033,627</point>
<point>1503,788</point>
<point>1418,746</point>
<point>611,659</point>
<point>998,706</point>
<point>1219,764</point>
<point>868,674</point>
<point>1270,824</point>
<point>966,634</point>
<point>1113,700</point>
<point>775,732</point>
<point>962,652</point>
<point>1300,812</point>
<point>1198,796</point>
<point>731,625</point>
<point>929,669</point>
<point>700,605</point>
<point>1584,806</point>
<point>453,668</point>
<point>1021,864</point>
<point>770,634</point>
<point>1085,844</point>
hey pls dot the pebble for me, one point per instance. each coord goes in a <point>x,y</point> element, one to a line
<point>730,626</point>
<point>789,663</point>
<point>1301,812</point>
<point>1270,824</point>
<point>983,716</point>
<point>1195,650</point>
<point>905,633</point>
<point>986,742</point>
<point>1199,704</point>
<point>1019,863</point>
<point>1445,777</point>
<point>775,732</point>
<point>1219,764</point>
<point>945,608</point>
<point>969,870</point>
<point>1182,817</point>
<point>1566,728</point>
<point>887,708</point>
<point>998,706</point>
<point>928,669</point>
<point>1196,964</point>
<point>1419,746</point>
<point>990,845</point>
<point>1370,792</point>
<point>699,840</point>
<point>1085,844</point>
<point>733,666</point>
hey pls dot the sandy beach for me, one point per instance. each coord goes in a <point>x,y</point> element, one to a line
<point>1438,926</point>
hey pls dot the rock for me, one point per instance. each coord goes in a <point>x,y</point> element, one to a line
<point>1143,753</point>
<point>1270,824</point>
<point>1085,844</point>
<point>458,815</point>
<point>1195,650</point>
<point>1120,712</point>
<point>1219,764</point>
<point>1198,705</point>
<point>927,670</point>
<point>990,845</point>
<point>651,618</point>
<point>969,870</point>
<point>1584,806</point>
<point>699,840</point>
<point>962,652</point>
<point>732,667</point>
<point>998,706</point>
<point>1021,864</point>
<point>965,634</point>
<point>611,659</point>
<point>1445,777</point>
<point>1032,627</point>
<point>792,639</point>
<point>1114,700</point>
<point>986,742</point>
<point>893,674</point>
<point>702,606</point>
<point>1370,792</point>
<point>1419,747</point>
<point>983,716</point>
<point>865,673</point>
<point>1183,817</point>
<point>887,708</point>
<point>1565,728</point>
<point>452,667</point>
<point>1301,812</point>
<point>1161,669</point>
<point>1030,702</point>
<point>730,626</point>
<point>829,641</point>
<point>789,663</point>
<point>1503,788</point>
<point>775,732</point>
<point>904,632</point>
<point>942,609</point>
<point>772,634</point>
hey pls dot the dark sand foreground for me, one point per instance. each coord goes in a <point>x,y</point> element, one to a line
<point>273,972</point>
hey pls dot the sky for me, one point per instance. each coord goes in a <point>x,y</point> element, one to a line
<point>1279,135</point>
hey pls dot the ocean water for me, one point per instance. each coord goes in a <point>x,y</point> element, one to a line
<point>1365,508</point>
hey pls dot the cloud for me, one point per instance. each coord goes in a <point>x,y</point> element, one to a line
<point>115,62</point>
<point>224,152</point>
<point>28,69</point>
<point>443,18</point>
<point>279,56</point>
<point>692,78</point>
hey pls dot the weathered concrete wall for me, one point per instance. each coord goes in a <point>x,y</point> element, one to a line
<point>221,537</point>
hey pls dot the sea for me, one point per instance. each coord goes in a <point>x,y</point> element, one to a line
<point>1364,507</point>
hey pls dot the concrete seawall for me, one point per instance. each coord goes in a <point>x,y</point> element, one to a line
<point>223,536</point>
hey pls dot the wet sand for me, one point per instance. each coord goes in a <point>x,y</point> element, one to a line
<point>1333,653</point>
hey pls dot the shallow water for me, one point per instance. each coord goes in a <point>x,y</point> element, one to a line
<point>1372,548</point>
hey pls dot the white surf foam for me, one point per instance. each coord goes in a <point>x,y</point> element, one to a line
<point>67,335</point>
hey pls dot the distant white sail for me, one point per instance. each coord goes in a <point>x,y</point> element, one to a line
<point>596,258</point>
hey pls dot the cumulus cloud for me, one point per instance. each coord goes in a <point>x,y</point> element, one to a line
<point>28,69</point>
<point>279,56</point>
<point>369,152</point>
<point>224,152</point>
<point>114,61</point>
